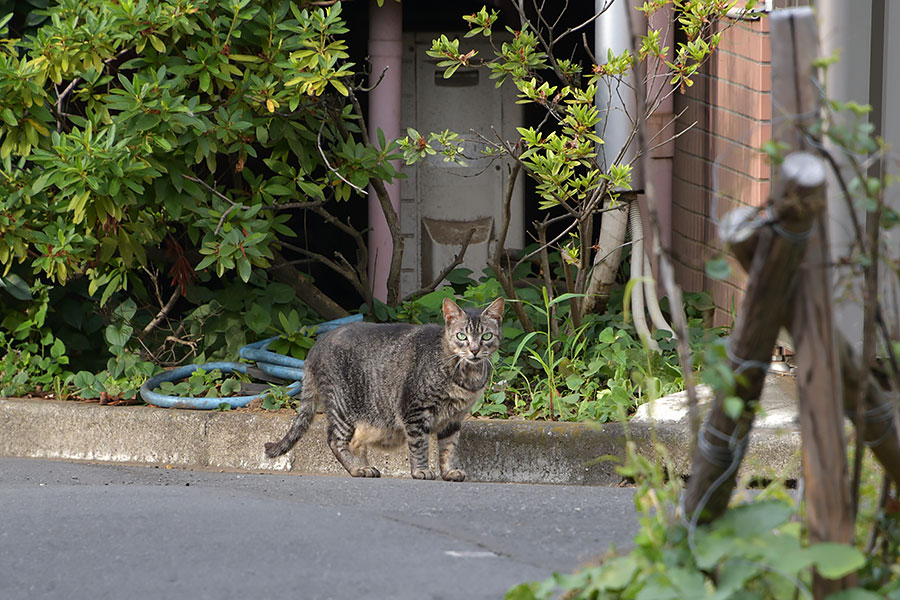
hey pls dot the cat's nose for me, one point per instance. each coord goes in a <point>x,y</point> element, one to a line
<point>475,350</point>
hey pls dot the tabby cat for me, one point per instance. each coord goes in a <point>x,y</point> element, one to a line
<point>383,384</point>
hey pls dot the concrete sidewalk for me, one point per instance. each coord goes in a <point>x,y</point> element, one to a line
<point>490,451</point>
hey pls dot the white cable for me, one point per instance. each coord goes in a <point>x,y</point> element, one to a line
<point>637,266</point>
<point>656,316</point>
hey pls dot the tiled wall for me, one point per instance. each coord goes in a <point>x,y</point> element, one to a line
<point>717,161</point>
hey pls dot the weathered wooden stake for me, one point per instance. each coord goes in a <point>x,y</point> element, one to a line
<point>798,196</point>
<point>880,423</point>
<point>796,103</point>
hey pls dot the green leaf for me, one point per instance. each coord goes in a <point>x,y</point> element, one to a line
<point>7,115</point>
<point>157,44</point>
<point>833,560</point>
<point>755,517</point>
<point>118,335</point>
<point>16,287</point>
<point>340,87</point>
<point>257,318</point>
<point>270,403</point>
<point>718,268</point>
<point>230,387</point>
<point>57,349</point>
<point>243,268</point>
<point>126,310</point>
<point>615,573</point>
<point>733,407</point>
<point>523,591</point>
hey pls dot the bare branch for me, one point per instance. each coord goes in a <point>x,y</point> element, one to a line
<point>375,85</point>
<point>328,164</point>
<point>292,205</point>
<point>344,270</point>
<point>163,313</point>
<point>587,22</point>
<point>233,206</point>
<point>445,271</point>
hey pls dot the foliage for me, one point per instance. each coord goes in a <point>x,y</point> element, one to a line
<point>277,398</point>
<point>293,340</point>
<point>203,384</point>
<point>150,153</point>
<point>755,551</point>
<point>596,371</point>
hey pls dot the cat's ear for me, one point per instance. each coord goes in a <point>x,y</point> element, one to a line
<point>452,312</point>
<point>495,310</point>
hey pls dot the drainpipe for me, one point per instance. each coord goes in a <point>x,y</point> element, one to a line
<point>845,27</point>
<point>385,48</point>
<point>613,34</point>
<point>617,109</point>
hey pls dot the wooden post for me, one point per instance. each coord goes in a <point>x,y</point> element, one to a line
<point>799,195</point>
<point>880,423</point>
<point>795,101</point>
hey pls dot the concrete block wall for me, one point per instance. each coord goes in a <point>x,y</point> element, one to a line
<point>718,163</point>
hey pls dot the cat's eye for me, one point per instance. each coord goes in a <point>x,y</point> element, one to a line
<point>487,336</point>
<point>461,336</point>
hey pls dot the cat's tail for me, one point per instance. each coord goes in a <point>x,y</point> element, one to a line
<point>299,425</point>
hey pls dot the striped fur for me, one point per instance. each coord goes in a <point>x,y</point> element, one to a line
<point>385,384</point>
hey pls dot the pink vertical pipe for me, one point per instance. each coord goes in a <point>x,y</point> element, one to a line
<point>662,120</point>
<point>385,52</point>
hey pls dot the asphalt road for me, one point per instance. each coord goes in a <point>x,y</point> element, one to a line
<point>74,530</point>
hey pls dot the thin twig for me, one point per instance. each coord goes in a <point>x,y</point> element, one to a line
<point>233,206</point>
<point>292,205</point>
<point>587,22</point>
<point>163,313</point>
<point>375,85</point>
<point>446,270</point>
<point>328,164</point>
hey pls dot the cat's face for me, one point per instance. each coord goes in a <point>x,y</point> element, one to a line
<point>473,335</point>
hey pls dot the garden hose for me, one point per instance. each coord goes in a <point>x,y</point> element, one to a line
<point>280,365</point>
<point>271,363</point>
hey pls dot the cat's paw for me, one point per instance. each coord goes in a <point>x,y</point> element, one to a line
<point>423,474</point>
<point>454,475</point>
<point>365,472</point>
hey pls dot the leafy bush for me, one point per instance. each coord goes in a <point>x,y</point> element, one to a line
<point>150,155</point>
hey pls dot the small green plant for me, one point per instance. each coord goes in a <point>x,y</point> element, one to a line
<point>203,384</point>
<point>554,358</point>
<point>293,339</point>
<point>276,398</point>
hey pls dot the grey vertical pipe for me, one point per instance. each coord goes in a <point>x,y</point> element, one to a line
<point>845,27</point>
<point>616,102</point>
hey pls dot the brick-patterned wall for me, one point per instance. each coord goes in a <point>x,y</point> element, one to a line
<point>717,160</point>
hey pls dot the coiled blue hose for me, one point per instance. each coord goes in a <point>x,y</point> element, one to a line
<point>270,363</point>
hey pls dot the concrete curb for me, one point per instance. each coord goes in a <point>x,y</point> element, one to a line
<point>490,451</point>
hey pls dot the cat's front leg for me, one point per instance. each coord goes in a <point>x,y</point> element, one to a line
<point>417,430</point>
<point>448,438</point>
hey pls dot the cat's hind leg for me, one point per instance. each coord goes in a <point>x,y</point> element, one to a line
<point>340,437</point>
